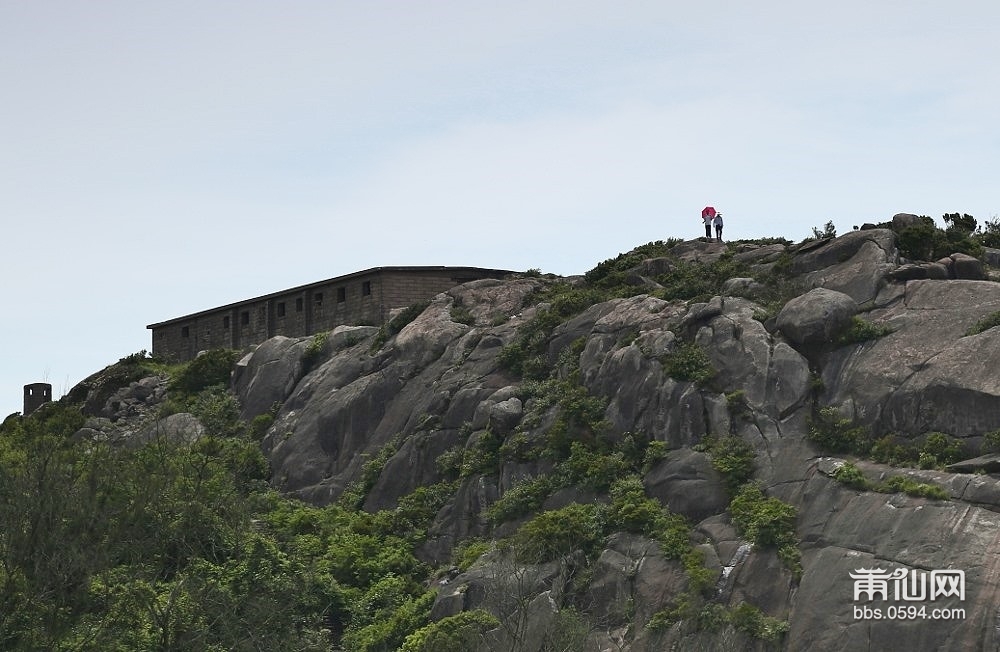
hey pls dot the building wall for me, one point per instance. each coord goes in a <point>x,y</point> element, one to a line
<point>357,299</point>
<point>35,396</point>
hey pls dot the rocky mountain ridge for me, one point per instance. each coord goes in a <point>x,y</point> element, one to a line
<point>784,415</point>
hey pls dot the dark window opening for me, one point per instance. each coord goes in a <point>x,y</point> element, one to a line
<point>318,298</point>
<point>281,309</point>
<point>225,323</point>
<point>298,305</point>
<point>185,331</point>
<point>341,295</point>
<point>244,317</point>
<point>366,288</point>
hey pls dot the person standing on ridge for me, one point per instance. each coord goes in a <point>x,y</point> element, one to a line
<point>717,221</point>
<point>707,214</point>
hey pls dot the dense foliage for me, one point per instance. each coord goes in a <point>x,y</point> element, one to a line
<point>183,546</point>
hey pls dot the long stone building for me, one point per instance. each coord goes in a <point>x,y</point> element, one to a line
<point>361,298</point>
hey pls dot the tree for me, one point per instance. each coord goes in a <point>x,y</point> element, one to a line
<point>829,231</point>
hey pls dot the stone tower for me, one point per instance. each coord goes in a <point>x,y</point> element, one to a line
<point>35,395</point>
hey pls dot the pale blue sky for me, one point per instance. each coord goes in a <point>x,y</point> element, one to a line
<point>161,158</point>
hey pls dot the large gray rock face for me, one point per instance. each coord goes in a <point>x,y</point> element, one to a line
<point>427,382</point>
<point>855,263</point>
<point>927,375</point>
<point>438,387</point>
<point>269,374</point>
<point>816,317</point>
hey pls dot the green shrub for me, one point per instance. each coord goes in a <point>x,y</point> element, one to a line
<point>900,483</point>
<point>212,367</point>
<point>655,451</point>
<point>699,281</point>
<point>943,449</point>
<point>991,442</point>
<point>593,470</point>
<point>461,315</point>
<point>919,241</point>
<point>828,231</point>
<point>449,463</point>
<point>632,511</point>
<point>791,557</point>
<point>391,628</point>
<point>989,321</point>
<point>314,351</point>
<point>521,499</point>
<point>459,633</point>
<point>688,363</point>
<point>482,456</point>
<point>668,616</point>
<point>466,553</point>
<point>526,356</point>
<point>610,273</point>
<point>397,323</point>
<point>734,459</point>
<point>767,522</point>
<point>259,426</point>
<point>752,621</point>
<point>888,450</point>
<point>862,330</point>
<point>218,410</point>
<point>925,241</point>
<point>701,580</point>
<point>354,495</point>
<point>554,534</point>
<point>989,235</point>
<point>836,434</point>
<point>737,404</point>
<point>851,476</point>
<point>580,416</point>
<point>673,535</point>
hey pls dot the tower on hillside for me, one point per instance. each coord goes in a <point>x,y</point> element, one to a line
<point>36,395</point>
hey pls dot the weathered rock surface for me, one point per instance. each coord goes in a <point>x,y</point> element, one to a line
<point>927,375</point>
<point>816,317</point>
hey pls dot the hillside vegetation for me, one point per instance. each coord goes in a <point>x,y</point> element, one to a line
<point>691,445</point>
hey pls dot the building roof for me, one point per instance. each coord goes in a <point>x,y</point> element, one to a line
<point>335,279</point>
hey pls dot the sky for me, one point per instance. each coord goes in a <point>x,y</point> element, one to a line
<point>157,159</point>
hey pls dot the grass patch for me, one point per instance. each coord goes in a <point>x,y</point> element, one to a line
<point>862,330</point>
<point>851,476</point>
<point>397,323</point>
<point>989,321</point>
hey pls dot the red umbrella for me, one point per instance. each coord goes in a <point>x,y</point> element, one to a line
<point>708,211</point>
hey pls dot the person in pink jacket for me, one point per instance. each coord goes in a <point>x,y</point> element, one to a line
<point>707,215</point>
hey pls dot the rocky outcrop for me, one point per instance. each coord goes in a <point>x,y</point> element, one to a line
<point>855,264</point>
<point>816,317</point>
<point>438,389</point>
<point>927,375</point>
